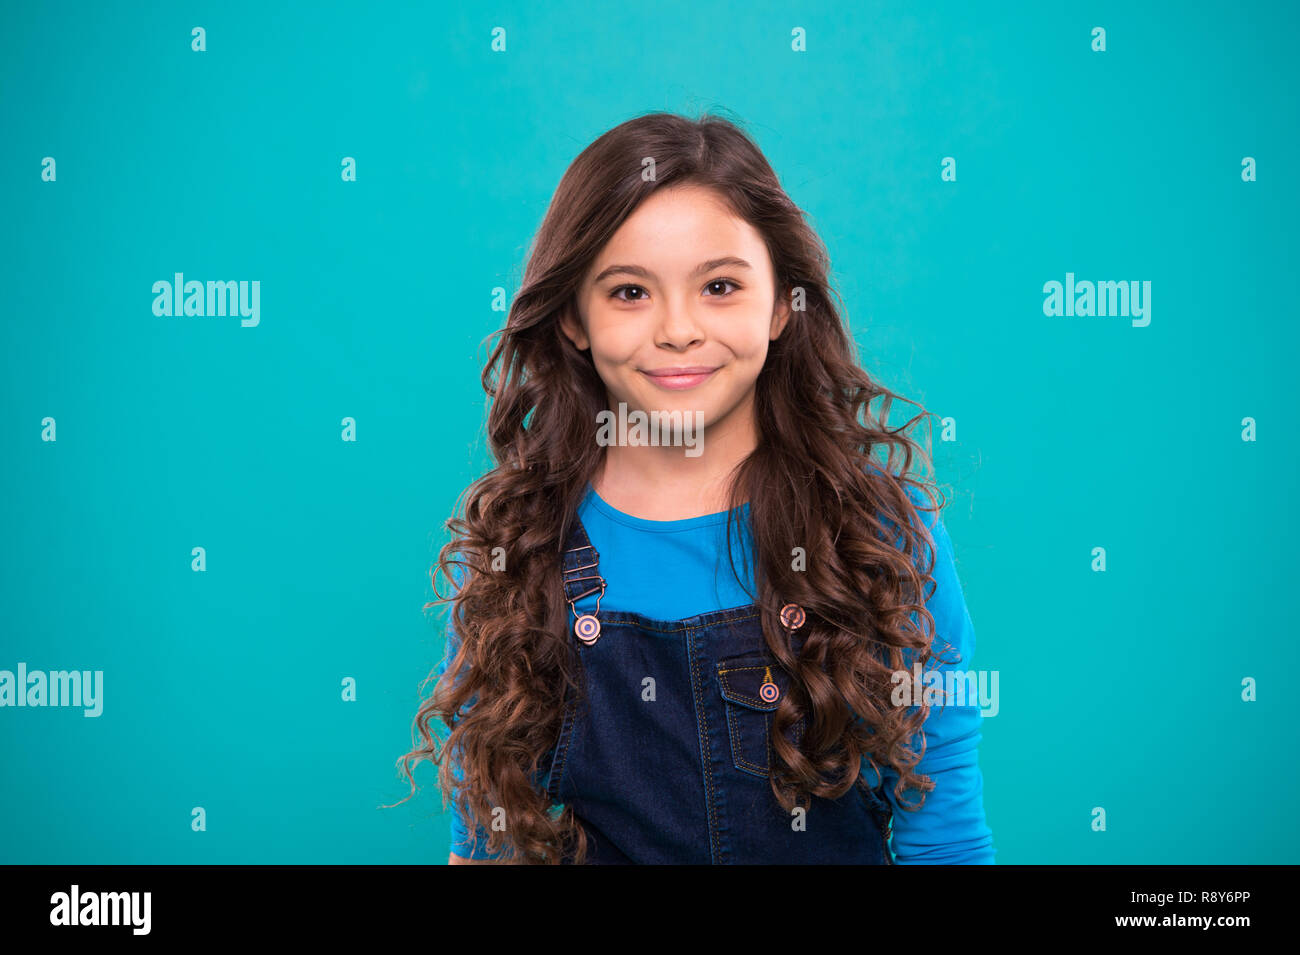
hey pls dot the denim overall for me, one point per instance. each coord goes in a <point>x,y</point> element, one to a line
<point>664,758</point>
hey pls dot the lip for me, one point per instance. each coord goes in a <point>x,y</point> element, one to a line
<point>679,379</point>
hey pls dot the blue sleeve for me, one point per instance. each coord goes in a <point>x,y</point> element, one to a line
<point>950,828</point>
<point>461,843</point>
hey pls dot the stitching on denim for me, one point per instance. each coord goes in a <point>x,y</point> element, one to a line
<point>706,750</point>
<point>735,730</point>
<point>676,626</point>
<point>738,747</point>
<point>733,699</point>
<point>562,751</point>
<point>740,696</point>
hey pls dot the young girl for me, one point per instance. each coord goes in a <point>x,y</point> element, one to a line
<point>684,642</point>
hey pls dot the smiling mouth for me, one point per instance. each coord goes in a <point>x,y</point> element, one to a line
<point>679,379</point>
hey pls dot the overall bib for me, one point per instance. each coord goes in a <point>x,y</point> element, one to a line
<point>664,757</point>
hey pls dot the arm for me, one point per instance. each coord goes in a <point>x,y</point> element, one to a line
<point>950,828</point>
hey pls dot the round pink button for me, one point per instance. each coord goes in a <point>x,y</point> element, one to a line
<point>587,628</point>
<point>792,616</point>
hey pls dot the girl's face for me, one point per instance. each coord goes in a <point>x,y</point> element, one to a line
<point>679,307</point>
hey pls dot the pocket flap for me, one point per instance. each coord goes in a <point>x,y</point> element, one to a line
<point>741,680</point>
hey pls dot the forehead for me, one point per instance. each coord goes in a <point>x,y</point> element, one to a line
<point>676,229</point>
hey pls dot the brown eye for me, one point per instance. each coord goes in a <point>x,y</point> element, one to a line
<point>614,293</point>
<point>722,282</point>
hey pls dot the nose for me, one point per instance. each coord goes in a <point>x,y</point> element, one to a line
<point>679,327</point>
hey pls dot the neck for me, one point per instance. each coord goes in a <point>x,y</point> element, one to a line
<point>666,484</point>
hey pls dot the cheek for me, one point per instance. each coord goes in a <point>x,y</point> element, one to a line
<point>752,346</point>
<point>613,354</point>
<point>612,342</point>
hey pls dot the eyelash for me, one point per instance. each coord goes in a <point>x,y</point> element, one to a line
<point>614,292</point>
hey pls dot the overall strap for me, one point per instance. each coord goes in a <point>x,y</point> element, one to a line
<point>581,565</point>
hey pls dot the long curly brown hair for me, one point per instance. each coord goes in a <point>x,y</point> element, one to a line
<point>811,483</point>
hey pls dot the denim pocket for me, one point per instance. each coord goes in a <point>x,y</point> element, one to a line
<point>746,683</point>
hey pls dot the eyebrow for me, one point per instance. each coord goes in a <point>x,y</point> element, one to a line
<point>642,272</point>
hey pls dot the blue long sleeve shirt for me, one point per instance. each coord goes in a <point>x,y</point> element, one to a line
<point>692,576</point>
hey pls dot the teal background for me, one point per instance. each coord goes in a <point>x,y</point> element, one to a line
<point>222,689</point>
